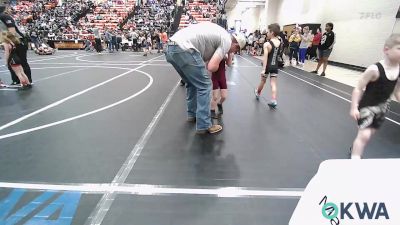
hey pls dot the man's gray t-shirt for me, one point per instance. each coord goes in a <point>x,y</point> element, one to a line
<point>206,38</point>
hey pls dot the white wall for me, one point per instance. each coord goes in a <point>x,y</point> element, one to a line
<point>359,40</point>
<point>262,22</point>
<point>272,7</point>
<point>250,17</point>
<point>396,28</point>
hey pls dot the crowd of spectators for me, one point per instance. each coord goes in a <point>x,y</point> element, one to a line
<point>115,24</point>
<point>46,20</point>
<point>199,11</point>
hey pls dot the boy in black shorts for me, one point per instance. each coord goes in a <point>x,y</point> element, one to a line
<point>379,81</point>
<point>270,62</point>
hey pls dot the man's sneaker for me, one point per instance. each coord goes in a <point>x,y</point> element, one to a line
<point>256,94</point>
<point>315,71</point>
<point>220,109</point>
<point>212,130</point>
<point>273,104</point>
<point>322,74</point>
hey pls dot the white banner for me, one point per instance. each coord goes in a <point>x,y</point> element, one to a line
<point>351,192</point>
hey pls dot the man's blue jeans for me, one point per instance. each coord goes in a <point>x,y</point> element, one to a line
<point>192,69</point>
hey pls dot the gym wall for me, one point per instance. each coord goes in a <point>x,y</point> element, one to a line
<point>361,26</point>
<point>250,17</point>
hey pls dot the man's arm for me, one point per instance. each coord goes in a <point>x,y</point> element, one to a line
<point>370,74</point>
<point>215,60</point>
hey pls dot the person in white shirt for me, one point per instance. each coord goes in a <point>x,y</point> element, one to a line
<point>306,39</point>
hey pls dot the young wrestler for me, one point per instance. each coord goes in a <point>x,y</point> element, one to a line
<point>270,62</point>
<point>379,81</point>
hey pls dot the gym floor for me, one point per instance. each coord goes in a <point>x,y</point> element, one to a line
<point>103,139</point>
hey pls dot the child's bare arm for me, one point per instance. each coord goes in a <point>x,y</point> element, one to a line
<point>370,74</point>
<point>397,91</point>
<point>267,49</point>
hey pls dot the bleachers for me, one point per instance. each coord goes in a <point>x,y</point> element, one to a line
<point>23,10</point>
<point>24,6</point>
<point>32,14</point>
<point>152,15</point>
<point>108,17</point>
<point>198,15</point>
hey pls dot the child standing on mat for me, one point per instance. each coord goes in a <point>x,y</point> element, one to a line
<point>379,81</point>
<point>220,89</point>
<point>270,62</point>
<point>147,45</point>
<point>12,49</point>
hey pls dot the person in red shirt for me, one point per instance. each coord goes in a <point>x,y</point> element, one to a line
<point>315,43</point>
<point>164,38</point>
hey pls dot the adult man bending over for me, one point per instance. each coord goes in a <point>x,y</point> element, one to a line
<point>193,51</point>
